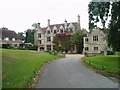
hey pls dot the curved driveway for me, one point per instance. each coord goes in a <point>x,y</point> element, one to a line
<point>70,73</point>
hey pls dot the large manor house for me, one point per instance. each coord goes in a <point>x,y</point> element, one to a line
<point>94,42</point>
<point>45,36</point>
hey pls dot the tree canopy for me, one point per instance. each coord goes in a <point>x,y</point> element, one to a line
<point>114,32</point>
<point>100,11</point>
<point>21,35</point>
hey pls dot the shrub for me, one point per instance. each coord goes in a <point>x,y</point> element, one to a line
<point>7,46</point>
<point>110,52</point>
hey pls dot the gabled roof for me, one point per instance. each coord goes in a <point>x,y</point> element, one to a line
<point>101,31</point>
<point>58,26</point>
<point>8,33</point>
<point>75,24</point>
<point>43,29</point>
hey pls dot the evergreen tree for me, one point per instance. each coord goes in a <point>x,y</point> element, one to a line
<point>114,33</point>
<point>29,36</point>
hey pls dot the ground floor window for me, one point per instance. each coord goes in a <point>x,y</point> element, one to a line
<point>48,47</point>
<point>15,45</point>
<point>95,48</point>
<point>41,48</point>
<point>53,47</point>
<point>48,39</point>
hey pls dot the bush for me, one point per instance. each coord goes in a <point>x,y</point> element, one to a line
<point>30,47</point>
<point>110,52</point>
<point>7,46</point>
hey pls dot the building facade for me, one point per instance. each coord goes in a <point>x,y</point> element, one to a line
<point>44,37</point>
<point>95,42</point>
<point>9,37</point>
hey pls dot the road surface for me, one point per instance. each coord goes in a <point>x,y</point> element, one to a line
<point>70,73</point>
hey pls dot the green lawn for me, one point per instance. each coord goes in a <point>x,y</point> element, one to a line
<point>19,66</point>
<point>106,63</point>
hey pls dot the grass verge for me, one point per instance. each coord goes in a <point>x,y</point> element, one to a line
<point>107,65</point>
<point>20,66</point>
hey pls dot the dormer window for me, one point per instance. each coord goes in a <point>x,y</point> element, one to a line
<point>54,31</point>
<point>48,32</point>
<point>71,30</point>
<point>61,30</point>
<point>6,38</point>
<point>13,39</point>
<point>10,39</point>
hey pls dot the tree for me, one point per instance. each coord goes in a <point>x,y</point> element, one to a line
<point>98,11</point>
<point>62,42</point>
<point>29,36</point>
<point>77,39</point>
<point>21,35</point>
<point>114,32</point>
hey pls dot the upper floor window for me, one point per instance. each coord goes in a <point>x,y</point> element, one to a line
<point>86,48</point>
<point>48,32</point>
<point>95,38</point>
<point>40,42</point>
<point>39,35</point>
<point>48,39</point>
<point>86,39</point>
<point>95,48</point>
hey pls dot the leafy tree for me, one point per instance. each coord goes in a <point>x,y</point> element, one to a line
<point>62,42</point>
<point>21,35</point>
<point>77,39</point>
<point>98,12</point>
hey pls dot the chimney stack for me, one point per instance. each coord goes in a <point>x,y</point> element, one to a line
<point>48,22</point>
<point>79,27</point>
<point>65,24</point>
<point>39,25</point>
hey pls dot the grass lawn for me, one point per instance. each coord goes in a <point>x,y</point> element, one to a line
<point>19,66</point>
<point>106,63</point>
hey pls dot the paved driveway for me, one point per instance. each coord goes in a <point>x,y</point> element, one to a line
<point>70,73</point>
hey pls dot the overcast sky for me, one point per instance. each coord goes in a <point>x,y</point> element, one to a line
<point>19,15</point>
